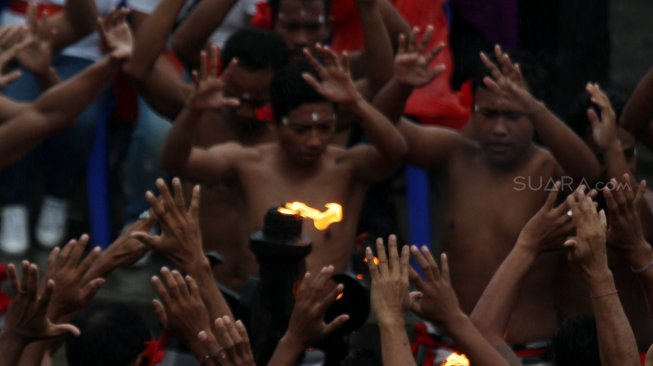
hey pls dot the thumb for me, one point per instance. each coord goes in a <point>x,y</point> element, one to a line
<point>336,323</point>
<point>148,240</point>
<point>59,329</point>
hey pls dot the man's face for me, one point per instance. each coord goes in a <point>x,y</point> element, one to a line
<point>252,89</point>
<point>306,131</point>
<point>501,128</point>
<point>302,24</point>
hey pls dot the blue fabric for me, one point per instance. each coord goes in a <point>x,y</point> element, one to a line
<point>64,153</point>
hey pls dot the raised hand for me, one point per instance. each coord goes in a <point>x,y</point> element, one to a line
<point>73,290</point>
<point>13,39</point>
<point>209,89</point>
<point>335,79</point>
<point>116,35</point>
<point>316,293</point>
<point>438,302</point>
<point>604,128</point>
<point>624,222</point>
<point>180,307</point>
<point>587,250</point>
<point>413,62</point>
<point>390,298</point>
<point>507,81</point>
<point>26,317</point>
<point>180,239</point>
<point>549,226</point>
<point>229,347</point>
<point>37,55</point>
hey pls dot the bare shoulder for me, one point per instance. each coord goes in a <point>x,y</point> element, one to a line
<point>237,152</point>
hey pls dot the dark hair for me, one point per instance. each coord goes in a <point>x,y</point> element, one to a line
<point>362,357</point>
<point>577,118</point>
<point>256,49</point>
<point>289,90</point>
<point>576,342</point>
<point>111,335</point>
<point>275,5</point>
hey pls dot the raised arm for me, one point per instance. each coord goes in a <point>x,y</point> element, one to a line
<point>194,32</point>
<point>637,116</point>
<point>412,69</point>
<point>587,250</point>
<point>573,155</point>
<point>178,155</point>
<point>57,107</point>
<point>306,325</point>
<point>151,35</point>
<point>181,241</point>
<point>390,300</point>
<point>549,226</point>
<point>625,233</point>
<point>376,59</point>
<point>26,320</point>
<point>604,132</point>
<point>439,305</point>
<point>373,162</point>
<point>74,23</point>
<point>37,56</point>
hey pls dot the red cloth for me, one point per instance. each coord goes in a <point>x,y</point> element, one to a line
<point>434,104</point>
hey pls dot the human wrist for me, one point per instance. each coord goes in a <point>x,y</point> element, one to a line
<point>639,255</point>
<point>613,147</point>
<point>599,282</point>
<point>293,341</point>
<point>12,340</point>
<point>527,246</point>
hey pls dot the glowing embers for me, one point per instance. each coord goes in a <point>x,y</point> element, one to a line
<point>455,359</point>
<point>321,219</point>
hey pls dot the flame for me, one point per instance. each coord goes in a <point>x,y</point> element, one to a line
<point>340,295</point>
<point>321,220</point>
<point>376,261</point>
<point>360,276</point>
<point>455,359</point>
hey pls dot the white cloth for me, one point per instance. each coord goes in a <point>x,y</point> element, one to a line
<point>236,19</point>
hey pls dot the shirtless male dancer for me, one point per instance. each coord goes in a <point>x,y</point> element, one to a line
<point>490,183</point>
<point>300,165</point>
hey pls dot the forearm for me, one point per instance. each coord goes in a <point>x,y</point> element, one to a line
<point>377,54</point>
<point>11,348</point>
<point>638,112</point>
<point>615,336</point>
<point>640,260</point>
<point>76,21</point>
<point>164,89</point>
<point>570,151</point>
<point>391,99</point>
<point>615,162</point>
<point>179,142</point>
<point>395,24</point>
<point>492,312</point>
<point>471,341</point>
<point>62,103</point>
<point>395,346</point>
<point>151,37</point>
<point>34,353</point>
<point>193,34</point>
<point>215,303</point>
<point>385,137</point>
<point>47,79</point>
<point>289,351</point>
